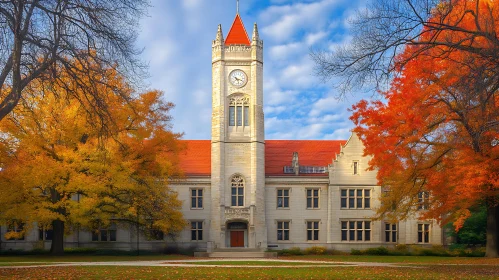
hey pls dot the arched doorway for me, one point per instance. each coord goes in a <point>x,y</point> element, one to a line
<point>237,234</point>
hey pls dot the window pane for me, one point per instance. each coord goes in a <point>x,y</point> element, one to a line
<point>279,235</point>
<point>309,202</point>
<point>343,202</point>
<point>359,192</point>
<point>200,235</point>
<point>394,227</point>
<point>351,192</point>
<point>316,225</point>
<point>351,202</point>
<point>286,192</point>
<point>112,235</point>
<point>316,192</point>
<point>359,202</point>
<point>344,235</point>
<point>286,235</point>
<point>343,225</point>
<point>49,234</point>
<point>232,118</point>
<point>368,225</point>
<point>240,201</point>
<point>387,236</point>
<point>103,235</point>
<point>279,192</point>
<point>316,203</point>
<point>309,235</point>
<point>193,235</point>
<point>309,192</point>
<point>420,236</point>
<point>367,202</point>
<point>387,226</point>
<point>394,236</point>
<point>233,202</point>
<point>200,202</point>
<point>239,116</point>
<point>246,115</point>
<point>234,191</point>
<point>368,235</point>
<point>316,235</point>
<point>352,234</point>
<point>279,202</point>
<point>193,202</point>
<point>286,225</point>
<point>193,193</point>
<point>240,191</point>
<point>95,236</point>
<point>279,225</point>
<point>286,202</point>
<point>352,225</point>
<point>367,193</point>
<point>343,192</point>
<point>200,225</point>
<point>359,235</point>
<point>359,225</point>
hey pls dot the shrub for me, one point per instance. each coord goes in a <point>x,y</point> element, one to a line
<point>80,250</point>
<point>356,252</point>
<point>315,250</point>
<point>335,252</point>
<point>378,251</point>
<point>294,251</point>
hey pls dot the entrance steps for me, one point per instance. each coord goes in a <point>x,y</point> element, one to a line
<point>238,253</point>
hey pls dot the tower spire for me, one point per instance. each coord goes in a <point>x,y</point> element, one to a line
<point>237,6</point>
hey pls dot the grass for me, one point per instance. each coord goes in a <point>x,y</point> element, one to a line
<point>398,259</point>
<point>86,258</point>
<point>114,272</point>
<point>258,263</point>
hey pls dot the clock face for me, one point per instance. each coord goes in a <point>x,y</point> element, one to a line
<point>238,78</point>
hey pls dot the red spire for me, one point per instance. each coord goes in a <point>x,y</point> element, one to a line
<point>237,34</point>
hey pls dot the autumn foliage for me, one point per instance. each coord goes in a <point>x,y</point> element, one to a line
<point>436,129</point>
<point>65,164</point>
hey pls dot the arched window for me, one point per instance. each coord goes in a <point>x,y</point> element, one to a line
<point>237,190</point>
<point>239,110</point>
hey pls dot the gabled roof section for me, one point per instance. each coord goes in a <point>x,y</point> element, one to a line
<point>279,153</point>
<point>237,34</point>
<point>195,160</point>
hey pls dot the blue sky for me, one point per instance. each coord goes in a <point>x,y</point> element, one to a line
<point>177,36</point>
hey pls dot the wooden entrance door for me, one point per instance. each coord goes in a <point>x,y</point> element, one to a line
<point>237,238</point>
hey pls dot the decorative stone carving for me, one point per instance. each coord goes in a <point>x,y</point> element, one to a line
<point>237,214</point>
<point>239,99</point>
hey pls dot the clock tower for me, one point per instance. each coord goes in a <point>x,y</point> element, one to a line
<point>237,141</point>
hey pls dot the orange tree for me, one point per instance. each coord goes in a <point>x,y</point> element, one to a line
<point>65,166</point>
<point>437,129</point>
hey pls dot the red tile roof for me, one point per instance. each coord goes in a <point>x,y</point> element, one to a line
<point>196,159</point>
<point>237,34</point>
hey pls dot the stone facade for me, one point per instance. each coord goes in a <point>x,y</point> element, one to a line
<point>252,199</point>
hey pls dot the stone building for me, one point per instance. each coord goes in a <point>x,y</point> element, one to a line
<point>244,191</point>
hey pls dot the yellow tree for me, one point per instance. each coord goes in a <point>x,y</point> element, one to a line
<point>65,166</point>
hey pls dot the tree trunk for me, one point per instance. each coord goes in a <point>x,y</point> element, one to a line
<point>57,247</point>
<point>492,247</point>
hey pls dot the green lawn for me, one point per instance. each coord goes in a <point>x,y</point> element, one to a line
<point>113,272</point>
<point>259,263</point>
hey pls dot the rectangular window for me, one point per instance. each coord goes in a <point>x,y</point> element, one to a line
<point>239,116</point>
<point>237,196</point>
<point>104,235</point>
<point>423,233</point>
<point>232,116</point>
<point>312,198</point>
<point>356,198</point>
<point>356,231</point>
<point>16,227</point>
<point>197,198</point>
<point>423,200</point>
<point>390,232</point>
<point>282,230</point>
<point>196,231</point>
<point>283,198</point>
<point>355,167</point>
<point>45,234</point>
<point>313,231</point>
<point>246,115</point>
